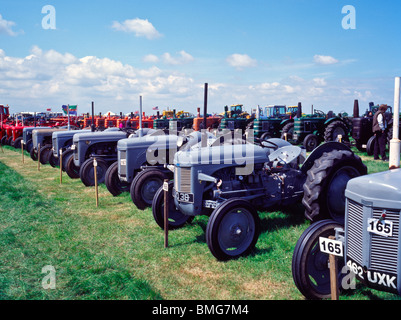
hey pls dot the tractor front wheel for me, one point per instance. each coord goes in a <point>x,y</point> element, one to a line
<point>145,185</point>
<point>310,266</point>
<point>233,229</point>
<point>70,168</point>
<point>113,182</point>
<point>311,141</point>
<point>176,219</point>
<point>87,172</point>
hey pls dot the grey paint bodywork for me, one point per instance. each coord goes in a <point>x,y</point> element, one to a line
<point>378,257</point>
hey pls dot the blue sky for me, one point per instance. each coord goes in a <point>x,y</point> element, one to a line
<point>251,52</point>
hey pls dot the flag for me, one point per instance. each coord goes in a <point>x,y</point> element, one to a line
<point>155,108</point>
<point>73,109</point>
<point>49,109</point>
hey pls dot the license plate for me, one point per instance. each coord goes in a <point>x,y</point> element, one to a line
<point>383,228</point>
<point>185,197</point>
<point>73,147</point>
<point>123,162</point>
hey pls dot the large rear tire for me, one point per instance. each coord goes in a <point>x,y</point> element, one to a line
<point>334,129</point>
<point>324,188</point>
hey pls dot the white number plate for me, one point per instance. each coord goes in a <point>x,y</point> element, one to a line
<point>123,162</point>
<point>383,228</point>
<point>73,147</point>
<point>330,246</point>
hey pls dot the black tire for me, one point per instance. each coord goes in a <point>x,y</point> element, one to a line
<point>265,136</point>
<point>176,219</point>
<point>289,130</point>
<point>29,145</point>
<point>4,140</point>
<point>70,168</point>
<point>334,129</point>
<point>145,185</point>
<point>34,154</point>
<point>310,269</point>
<point>17,143</point>
<point>324,188</point>
<point>311,141</point>
<point>45,153</point>
<point>113,182</point>
<point>66,155</point>
<point>233,229</point>
<point>370,146</point>
<point>10,141</point>
<point>87,172</point>
<point>54,161</point>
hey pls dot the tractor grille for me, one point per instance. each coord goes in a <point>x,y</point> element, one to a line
<point>123,163</point>
<point>76,151</point>
<point>182,179</point>
<point>383,255</point>
<point>55,146</point>
<point>355,231</point>
<point>382,252</point>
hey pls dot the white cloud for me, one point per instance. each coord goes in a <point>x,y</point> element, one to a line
<point>6,27</point>
<point>324,60</point>
<point>240,61</point>
<point>141,28</point>
<point>182,58</point>
<point>151,58</point>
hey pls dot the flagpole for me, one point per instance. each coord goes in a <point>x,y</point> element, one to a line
<point>68,113</point>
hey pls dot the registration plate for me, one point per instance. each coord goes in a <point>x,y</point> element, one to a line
<point>185,197</point>
<point>123,162</point>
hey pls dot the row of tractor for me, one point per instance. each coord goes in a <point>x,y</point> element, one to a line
<point>230,175</point>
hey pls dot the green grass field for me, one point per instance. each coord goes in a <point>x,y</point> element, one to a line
<point>116,251</point>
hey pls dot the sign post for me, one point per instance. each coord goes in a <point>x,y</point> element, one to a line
<point>165,188</point>
<point>61,165</point>
<point>95,174</point>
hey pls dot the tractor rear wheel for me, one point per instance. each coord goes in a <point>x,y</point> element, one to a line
<point>370,146</point>
<point>324,188</point>
<point>4,140</point>
<point>289,130</point>
<point>113,182</point>
<point>87,172</point>
<point>334,129</point>
<point>145,185</point>
<point>310,266</point>
<point>176,219</point>
<point>233,229</point>
<point>70,168</point>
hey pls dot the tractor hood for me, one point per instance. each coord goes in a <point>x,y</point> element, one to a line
<point>37,135</point>
<point>100,136</point>
<point>383,189</point>
<point>155,141</point>
<point>230,154</point>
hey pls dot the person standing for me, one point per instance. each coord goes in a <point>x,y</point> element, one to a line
<point>380,131</point>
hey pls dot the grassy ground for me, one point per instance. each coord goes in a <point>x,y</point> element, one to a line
<point>116,251</point>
